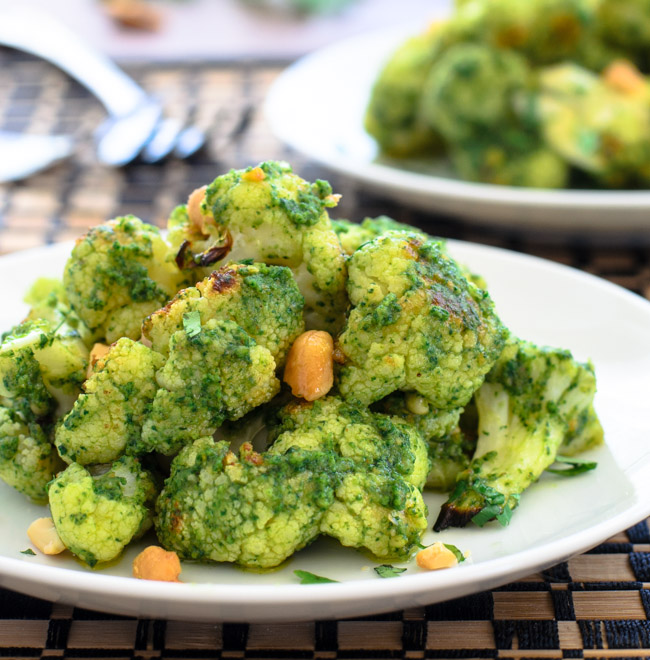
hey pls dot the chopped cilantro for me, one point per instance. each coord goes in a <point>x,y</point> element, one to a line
<point>457,553</point>
<point>29,551</point>
<point>388,571</point>
<point>192,324</point>
<point>579,466</point>
<point>486,514</point>
<point>310,578</point>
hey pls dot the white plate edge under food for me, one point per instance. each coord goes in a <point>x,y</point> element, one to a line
<point>287,602</point>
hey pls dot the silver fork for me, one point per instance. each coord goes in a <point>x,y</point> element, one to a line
<point>135,125</point>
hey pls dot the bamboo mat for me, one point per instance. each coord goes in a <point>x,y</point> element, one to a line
<point>594,606</point>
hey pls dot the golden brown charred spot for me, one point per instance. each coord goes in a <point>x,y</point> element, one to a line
<point>229,459</point>
<point>176,520</point>
<point>256,175</point>
<point>97,352</point>
<point>163,311</point>
<point>295,407</point>
<point>185,258</point>
<point>611,146</point>
<point>512,37</point>
<point>566,30</point>
<point>223,280</point>
<point>216,252</point>
<point>182,256</point>
<point>413,248</point>
<point>248,454</point>
<point>450,516</point>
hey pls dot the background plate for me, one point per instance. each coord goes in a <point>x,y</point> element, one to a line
<point>558,517</point>
<point>317,107</point>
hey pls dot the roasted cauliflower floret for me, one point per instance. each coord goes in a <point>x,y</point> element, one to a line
<point>263,300</point>
<point>598,124</point>
<point>214,372</point>
<point>515,157</point>
<point>332,469</point>
<point>42,367</point>
<point>255,510</point>
<point>354,433</point>
<point>269,214</point>
<point>393,116</point>
<point>545,31</point>
<point>471,88</point>
<point>625,23</point>
<point>416,324</point>
<point>378,503</point>
<point>48,302</point>
<point>117,274</point>
<point>531,401</point>
<point>352,235</point>
<point>110,413</point>
<point>450,450</point>
<point>28,460</point>
<point>378,511</point>
<point>96,516</point>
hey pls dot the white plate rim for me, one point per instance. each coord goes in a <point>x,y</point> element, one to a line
<point>523,207</point>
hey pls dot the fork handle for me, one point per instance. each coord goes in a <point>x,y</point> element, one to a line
<point>45,37</point>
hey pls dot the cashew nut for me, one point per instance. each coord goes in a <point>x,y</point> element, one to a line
<point>194,213</point>
<point>310,366</point>
<point>42,533</point>
<point>436,556</point>
<point>156,563</point>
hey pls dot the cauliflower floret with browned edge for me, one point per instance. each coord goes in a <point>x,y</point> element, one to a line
<point>268,214</point>
<point>214,372</point>
<point>263,300</point>
<point>255,510</point>
<point>416,324</point>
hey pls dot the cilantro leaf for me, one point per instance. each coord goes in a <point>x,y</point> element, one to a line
<point>457,553</point>
<point>192,324</point>
<point>487,513</point>
<point>310,578</point>
<point>29,551</point>
<point>579,466</point>
<point>505,516</point>
<point>388,571</point>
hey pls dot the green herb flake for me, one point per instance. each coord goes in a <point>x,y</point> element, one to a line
<point>192,324</point>
<point>388,571</point>
<point>310,578</point>
<point>457,553</point>
<point>29,552</point>
<point>578,466</point>
<point>490,512</point>
<point>505,516</point>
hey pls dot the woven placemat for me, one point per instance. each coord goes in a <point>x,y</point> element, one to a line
<point>594,606</point>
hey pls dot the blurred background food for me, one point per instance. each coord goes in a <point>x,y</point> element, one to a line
<point>543,93</point>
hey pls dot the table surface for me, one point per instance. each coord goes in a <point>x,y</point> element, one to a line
<point>594,605</point>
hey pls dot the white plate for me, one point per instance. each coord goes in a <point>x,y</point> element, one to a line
<point>317,107</point>
<point>558,517</point>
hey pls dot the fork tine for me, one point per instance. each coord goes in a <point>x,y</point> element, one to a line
<point>163,141</point>
<point>190,140</point>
